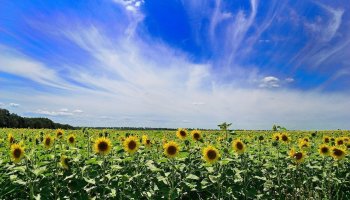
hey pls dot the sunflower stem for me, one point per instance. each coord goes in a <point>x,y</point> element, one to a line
<point>55,172</point>
<point>31,188</point>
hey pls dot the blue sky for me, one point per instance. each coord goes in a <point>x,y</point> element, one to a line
<point>178,63</point>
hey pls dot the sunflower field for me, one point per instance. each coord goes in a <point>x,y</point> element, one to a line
<point>182,164</point>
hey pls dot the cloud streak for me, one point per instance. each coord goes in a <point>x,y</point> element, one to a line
<point>130,79</point>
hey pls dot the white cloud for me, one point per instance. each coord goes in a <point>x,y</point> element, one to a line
<point>52,113</point>
<point>269,82</point>
<point>334,22</point>
<point>14,105</point>
<point>2,104</point>
<point>63,110</point>
<point>151,84</point>
<point>13,62</point>
<point>289,80</point>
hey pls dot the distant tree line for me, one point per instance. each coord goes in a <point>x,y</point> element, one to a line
<point>11,120</point>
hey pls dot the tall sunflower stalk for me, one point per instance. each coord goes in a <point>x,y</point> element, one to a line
<point>56,168</point>
<point>171,178</point>
<point>29,177</point>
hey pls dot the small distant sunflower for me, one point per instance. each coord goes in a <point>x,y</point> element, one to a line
<point>17,152</point>
<point>303,144</point>
<point>285,138</point>
<point>181,133</point>
<point>261,138</point>
<point>131,144</point>
<point>65,162</point>
<point>324,150</point>
<point>196,135</point>
<point>339,141</point>
<point>102,146</point>
<point>276,136</point>
<point>71,139</point>
<point>238,146</point>
<point>211,154</point>
<point>306,139</point>
<point>59,133</point>
<point>338,153</point>
<point>144,139</point>
<point>326,139</point>
<point>48,141</point>
<point>346,140</point>
<point>171,149</point>
<point>298,157</point>
<point>148,143</point>
<point>10,138</point>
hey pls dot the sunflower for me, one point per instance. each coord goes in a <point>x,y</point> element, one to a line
<point>261,138</point>
<point>71,139</point>
<point>144,139</point>
<point>48,141</point>
<point>181,133</point>
<point>276,136</point>
<point>196,135</point>
<point>10,138</point>
<point>298,157</point>
<point>131,144</point>
<point>238,146</point>
<point>102,146</point>
<point>303,144</point>
<point>338,153</point>
<point>59,133</point>
<point>326,139</point>
<point>346,140</point>
<point>324,150</point>
<point>17,152</point>
<point>171,149</point>
<point>211,154</point>
<point>65,162</point>
<point>285,138</point>
<point>339,141</point>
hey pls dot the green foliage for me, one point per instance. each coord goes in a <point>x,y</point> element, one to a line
<point>263,171</point>
<point>8,120</point>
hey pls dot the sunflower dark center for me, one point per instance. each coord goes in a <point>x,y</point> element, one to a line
<point>306,140</point>
<point>47,141</point>
<point>102,146</point>
<point>284,138</point>
<point>183,133</point>
<point>59,134</point>
<point>261,138</point>
<point>196,136</point>
<point>71,139</point>
<point>171,150</point>
<point>340,142</point>
<point>11,139</point>
<point>324,150</point>
<point>326,140</point>
<point>298,155</point>
<point>277,137</point>
<point>239,145</point>
<point>338,152</point>
<point>132,145</point>
<point>148,141</point>
<point>17,153</point>
<point>211,154</point>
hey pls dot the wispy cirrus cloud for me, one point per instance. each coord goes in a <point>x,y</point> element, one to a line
<point>131,78</point>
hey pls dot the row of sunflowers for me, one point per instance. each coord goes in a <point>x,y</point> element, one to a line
<point>119,164</point>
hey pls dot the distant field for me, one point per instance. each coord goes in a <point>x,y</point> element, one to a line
<point>183,164</point>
